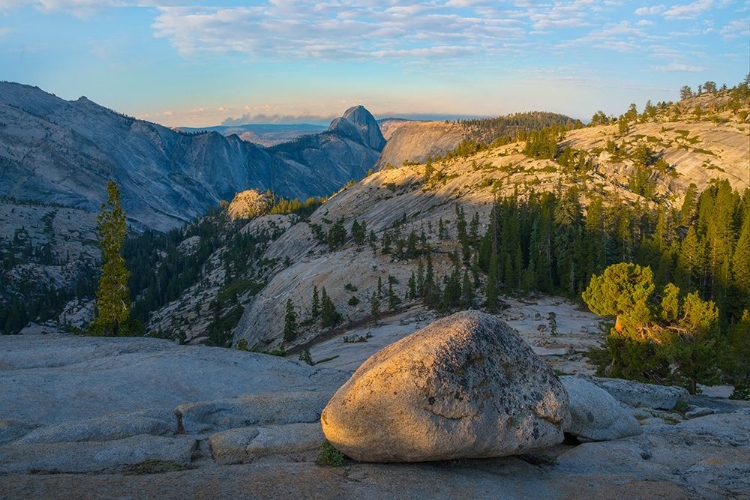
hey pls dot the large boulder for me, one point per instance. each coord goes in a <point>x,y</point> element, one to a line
<point>466,386</point>
<point>595,414</point>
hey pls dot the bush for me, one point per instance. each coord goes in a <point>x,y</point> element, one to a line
<point>329,456</point>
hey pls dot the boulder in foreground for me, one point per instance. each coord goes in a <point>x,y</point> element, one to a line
<point>466,386</point>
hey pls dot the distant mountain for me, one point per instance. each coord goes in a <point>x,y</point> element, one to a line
<point>264,134</point>
<point>64,152</point>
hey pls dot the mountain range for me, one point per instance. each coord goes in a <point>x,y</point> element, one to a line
<point>64,152</point>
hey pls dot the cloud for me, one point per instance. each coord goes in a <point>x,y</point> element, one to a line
<point>574,14</point>
<point>736,29</point>
<point>678,68</point>
<point>284,30</point>
<point>4,32</point>
<point>621,37</point>
<point>79,8</point>
<point>689,11</point>
<point>650,11</point>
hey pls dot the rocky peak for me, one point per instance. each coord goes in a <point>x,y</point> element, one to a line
<point>358,124</point>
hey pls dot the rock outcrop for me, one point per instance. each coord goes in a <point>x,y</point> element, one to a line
<point>64,152</point>
<point>595,414</point>
<point>415,141</point>
<point>467,386</point>
<point>74,407</point>
<point>637,394</point>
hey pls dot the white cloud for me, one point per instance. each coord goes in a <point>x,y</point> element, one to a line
<point>678,68</point>
<point>645,22</point>
<point>4,32</point>
<point>689,11</point>
<point>736,29</point>
<point>650,11</point>
<point>282,31</point>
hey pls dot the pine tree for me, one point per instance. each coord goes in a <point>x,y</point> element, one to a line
<point>412,287</point>
<point>375,305</point>
<point>290,322</point>
<point>741,264</point>
<point>491,291</point>
<point>467,291</point>
<point>328,314</point>
<point>112,295</point>
<point>420,279</point>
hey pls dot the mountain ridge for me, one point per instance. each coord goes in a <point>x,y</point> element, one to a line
<point>64,152</point>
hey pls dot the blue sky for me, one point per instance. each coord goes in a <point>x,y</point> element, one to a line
<point>200,63</point>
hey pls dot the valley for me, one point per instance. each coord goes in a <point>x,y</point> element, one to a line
<point>258,303</point>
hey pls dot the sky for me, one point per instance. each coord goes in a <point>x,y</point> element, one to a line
<point>211,62</point>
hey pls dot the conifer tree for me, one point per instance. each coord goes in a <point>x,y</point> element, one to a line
<point>491,291</point>
<point>467,290</point>
<point>112,294</point>
<point>375,305</point>
<point>420,279</point>
<point>328,314</point>
<point>290,322</point>
<point>412,287</point>
<point>741,263</point>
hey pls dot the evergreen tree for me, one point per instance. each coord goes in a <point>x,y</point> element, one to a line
<point>359,232</point>
<point>491,291</point>
<point>375,305</point>
<point>467,291</point>
<point>112,294</point>
<point>336,235</point>
<point>328,314</point>
<point>412,287</point>
<point>741,264</point>
<point>290,322</point>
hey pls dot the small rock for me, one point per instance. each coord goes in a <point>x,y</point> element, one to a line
<point>699,412</point>
<point>639,394</point>
<point>466,386</point>
<point>596,415</point>
<point>541,328</point>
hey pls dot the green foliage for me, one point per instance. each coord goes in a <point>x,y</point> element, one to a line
<point>112,294</point>
<point>290,322</point>
<point>622,291</point>
<point>336,235</point>
<point>359,232</point>
<point>375,305</point>
<point>220,329</point>
<point>676,341</point>
<point>305,356</point>
<point>328,314</point>
<point>329,456</point>
<point>353,301</point>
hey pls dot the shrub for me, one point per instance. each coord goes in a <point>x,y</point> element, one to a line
<point>329,456</point>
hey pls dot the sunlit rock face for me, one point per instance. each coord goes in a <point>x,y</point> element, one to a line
<point>467,386</point>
